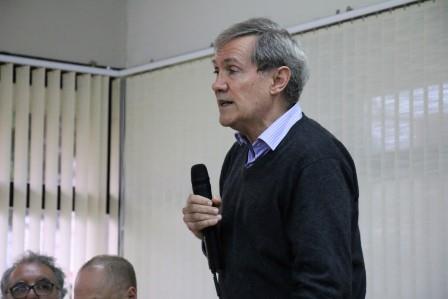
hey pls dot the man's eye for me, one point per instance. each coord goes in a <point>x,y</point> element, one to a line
<point>44,286</point>
<point>233,70</point>
<point>19,287</point>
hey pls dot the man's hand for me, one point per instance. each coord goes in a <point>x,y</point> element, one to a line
<point>199,213</point>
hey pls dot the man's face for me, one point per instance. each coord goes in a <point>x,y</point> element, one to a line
<point>92,283</point>
<point>243,93</point>
<point>32,274</point>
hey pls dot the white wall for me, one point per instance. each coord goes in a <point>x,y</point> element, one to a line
<point>158,29</point>
<point>120,33</point>
<point>76,31</point>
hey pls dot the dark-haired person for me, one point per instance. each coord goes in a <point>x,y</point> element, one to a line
<point>106,277</point>
<point>33,276</point>
<point>288,212</point>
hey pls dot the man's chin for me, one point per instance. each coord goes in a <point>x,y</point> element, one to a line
<point>225,122</point>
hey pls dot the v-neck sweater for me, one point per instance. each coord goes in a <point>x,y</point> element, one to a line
<point>289,225</point>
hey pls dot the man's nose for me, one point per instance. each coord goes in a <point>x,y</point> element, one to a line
<point>32,295</point>
<point>219,85</point>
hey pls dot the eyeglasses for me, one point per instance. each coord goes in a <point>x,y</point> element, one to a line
<point>42,287</point>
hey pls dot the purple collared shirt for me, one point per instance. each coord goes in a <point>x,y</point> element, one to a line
<point>272,136</point>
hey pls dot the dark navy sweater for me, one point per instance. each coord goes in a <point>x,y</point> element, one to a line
<point>290,221</point>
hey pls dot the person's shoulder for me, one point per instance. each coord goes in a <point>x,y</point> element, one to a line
<point>311,130</point>
<point>314,141</point>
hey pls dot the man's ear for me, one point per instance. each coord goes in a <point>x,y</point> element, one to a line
<point>132,293</point>
<point>280,78</point>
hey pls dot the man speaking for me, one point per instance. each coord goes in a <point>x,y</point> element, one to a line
<point>288,212</point>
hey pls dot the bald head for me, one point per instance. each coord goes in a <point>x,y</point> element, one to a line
<point>106,277</point>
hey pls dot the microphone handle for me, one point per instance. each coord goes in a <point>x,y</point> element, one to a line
<point>210,233</point>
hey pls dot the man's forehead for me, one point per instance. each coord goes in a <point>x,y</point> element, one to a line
<point>92,275</point>
<point>97,271</point>
<point>33,270</point>
<point>91,283</point>
<point>236,50</point>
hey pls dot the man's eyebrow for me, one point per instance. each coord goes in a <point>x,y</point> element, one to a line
<point>232,60</point>
<point>44,278</point>
<point>229,60</point>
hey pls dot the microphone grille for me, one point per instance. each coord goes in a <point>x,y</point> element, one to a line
<point>199,172</point>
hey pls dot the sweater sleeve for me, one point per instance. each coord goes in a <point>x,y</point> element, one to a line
<point>319,229</point>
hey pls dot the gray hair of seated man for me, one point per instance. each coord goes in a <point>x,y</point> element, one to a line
<point>30,257</point>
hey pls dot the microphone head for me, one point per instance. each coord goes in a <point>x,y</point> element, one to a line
<point>199,173</point>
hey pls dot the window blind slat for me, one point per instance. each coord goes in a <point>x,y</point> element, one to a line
<point>36,158</point>
<point>51,161</point>
<point>93,184</point>
<point>114,179</point>
<point>6,112</point>
<point>83,125</point>
<point>67,148</point>
<point>102,241</point>
<point>20,177</point>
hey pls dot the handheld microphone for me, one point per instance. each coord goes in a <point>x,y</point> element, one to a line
<point>201,186</point>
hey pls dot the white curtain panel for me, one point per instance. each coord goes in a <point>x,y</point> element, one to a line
<point>171,124</point>
<point>379,83</point>
<point>54,142</point>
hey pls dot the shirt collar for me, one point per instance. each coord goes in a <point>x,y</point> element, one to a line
<point>275,133</point>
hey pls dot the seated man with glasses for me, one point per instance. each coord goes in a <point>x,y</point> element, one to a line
<point>33,276</point>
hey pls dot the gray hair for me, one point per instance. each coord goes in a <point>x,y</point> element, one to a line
<point>30,257</point>
<point>120,272</point>
<point>274,47</point>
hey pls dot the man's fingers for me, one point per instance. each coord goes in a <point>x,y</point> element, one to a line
<point>200,225</point>
<point>198,217</point>
<point>216,201</point>
<point>199,213</point>
<point>197,199</point>
<point>194,209</point>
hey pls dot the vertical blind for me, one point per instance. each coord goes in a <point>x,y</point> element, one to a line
<point>171,124</point>
<point>58,178</point>
<point>379,83</point>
